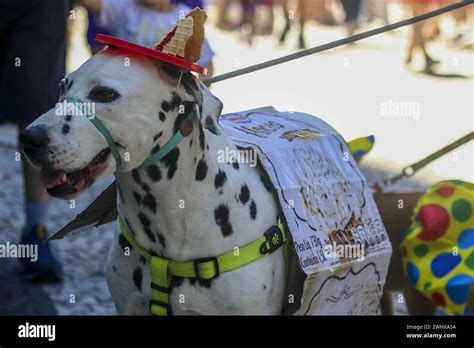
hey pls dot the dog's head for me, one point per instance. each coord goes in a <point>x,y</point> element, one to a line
<point>136,98</point>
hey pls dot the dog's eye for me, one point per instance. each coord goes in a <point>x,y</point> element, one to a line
<point>103,95</point>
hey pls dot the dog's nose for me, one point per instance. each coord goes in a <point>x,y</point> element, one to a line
<point>34,139</point>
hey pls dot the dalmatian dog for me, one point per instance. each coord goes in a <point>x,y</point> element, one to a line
<point>185,207</point>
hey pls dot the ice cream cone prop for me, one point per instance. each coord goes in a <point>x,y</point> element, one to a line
<point>181,46</point>
<point>438,249</point>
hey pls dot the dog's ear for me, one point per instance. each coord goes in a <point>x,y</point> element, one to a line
<point>210,108</point>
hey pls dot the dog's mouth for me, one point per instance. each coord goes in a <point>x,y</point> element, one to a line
<point>59,183</point>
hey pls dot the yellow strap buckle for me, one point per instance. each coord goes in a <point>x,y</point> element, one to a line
<point>206,268</point>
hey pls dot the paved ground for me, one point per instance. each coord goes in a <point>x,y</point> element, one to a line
<point>348,87</point>
<point>83,254</point>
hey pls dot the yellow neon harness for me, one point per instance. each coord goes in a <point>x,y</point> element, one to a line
<point>162,270</point>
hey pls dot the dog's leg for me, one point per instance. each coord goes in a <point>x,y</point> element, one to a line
<point>127,278</point>
<point>287,22</point>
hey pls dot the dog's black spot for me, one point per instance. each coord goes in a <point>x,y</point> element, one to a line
<point>68,118</point>
<point>266,182</point>
<point>220,179</point>
<point>236,165</point>
<point>253,210</point>
<point>69,85</point>
<point>137,197</point>
<point>187,78</point>
<point>154,172</point>
<point>171,162</point>
<point>221,216</point>
<point>146,226</point>
<point>65,129</point>
<point>205,283</point>
<point>175,282</point>
<point>264,287</point>
<point>162,116</point>
<point>156,137</point>
<point>142,260</point>
<point>145,187</point>
<point>244,195</point>
<point>201,282</point>
<point>191,143</point>
<point>175,101</point>
<point>114,269</point>
<point>188,81</point>
<point>136,176</point>
<point>165,106</point>
<point>172,70</point>
<point>201,170</point>
<point>123,242</point>
<point>202,140</point>
<point>211,125</point>
<point>150,202</point>
<point>155,149</point>
<point>161,239</point>
<point>137,278</point>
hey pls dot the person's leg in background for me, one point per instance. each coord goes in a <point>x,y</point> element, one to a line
<point>268,28</point>
<point>374,9</point>
<point>352,9</point>
<point>248,19</point>
<point>418,40</point>
<point>34,232</point>
<point>222,22</point>
<point>36,197</point>
<point>462,25</point>
<point>29,87</point>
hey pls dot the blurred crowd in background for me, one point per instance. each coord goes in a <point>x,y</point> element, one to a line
<point>250,18</point>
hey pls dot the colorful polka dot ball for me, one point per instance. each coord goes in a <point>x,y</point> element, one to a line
<point>438,248</point>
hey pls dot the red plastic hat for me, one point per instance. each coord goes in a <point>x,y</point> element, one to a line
<point>180,47</point>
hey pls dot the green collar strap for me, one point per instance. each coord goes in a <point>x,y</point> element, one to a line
<point>162,270</point>
<point>185,129</point>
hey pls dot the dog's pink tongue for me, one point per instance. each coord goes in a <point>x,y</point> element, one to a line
<point>50,177</point>
<point>80,185</point>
